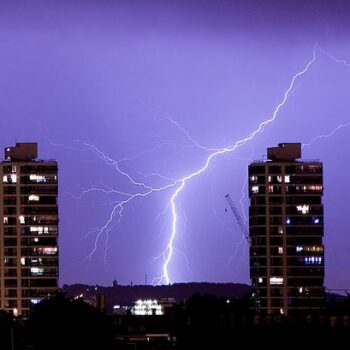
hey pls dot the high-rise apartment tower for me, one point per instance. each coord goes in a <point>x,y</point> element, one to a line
<point>28,228</point>
<point>286,232</point>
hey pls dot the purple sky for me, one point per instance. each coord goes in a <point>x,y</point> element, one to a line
<point>110,73</point>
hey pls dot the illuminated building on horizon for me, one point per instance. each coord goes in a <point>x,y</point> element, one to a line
<point>28,228</point>
<point>286,232</point>
<point>147,307</point>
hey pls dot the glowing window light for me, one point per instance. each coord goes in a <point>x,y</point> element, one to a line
<point>37,178</point>
<point>255,189</point>
<point>12,178</point>
<point>37,271</point>
<point>304,209</point>
<point>276,280</point>
<point>33,198</point>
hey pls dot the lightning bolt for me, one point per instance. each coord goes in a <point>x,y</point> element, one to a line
<point>168,253</point>
<point>326,136</point>
<point>335,59</point>
<point>340,126</point>
<point>176,184</point>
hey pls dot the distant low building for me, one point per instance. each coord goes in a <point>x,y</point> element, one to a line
<point>147,308</point>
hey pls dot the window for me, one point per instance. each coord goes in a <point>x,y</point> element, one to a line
<point>6,220</point>
<point>276,280</point>
<point>287,179</point>
<point>22,219</point>
<point>35,301</point>
<point>280,250</point>
<point>11,178</point>
<point>37,178</point>
<point>304,208</point>
<point>47,250</point>
<point>260,280</point>
<point>39,229</point>
<point>255,189</point>
<point>23,261</point>
<point>34,198</point>
<point>313,260</point>
<point>36,271</point>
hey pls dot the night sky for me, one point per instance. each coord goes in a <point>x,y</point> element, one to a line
<point>130,78</point>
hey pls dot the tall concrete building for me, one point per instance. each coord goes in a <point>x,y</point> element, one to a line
<point>28,228</point>
<point>286,232</point>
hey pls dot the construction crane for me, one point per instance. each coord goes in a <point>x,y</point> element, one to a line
<point>238,218</point>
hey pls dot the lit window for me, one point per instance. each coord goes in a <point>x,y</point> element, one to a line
<point>276,280</point>
<point>280,250</point>
<point>316,220</point>
<point>260,280</point>
<point>253,178</point>
<point>37,178</point>
<point>270,189</point>
<point>35,301</point>
<point>287,179</point>
<point>304,209</point>
<point>301,289</point>
<point>36,239</point>
<point>299,248</point>
<point>288,221</point>
<point>34,198</point>
<point>6,220</point>
<point>279,179</point>
<point>313,260</point>
<point>23,261</point>
<point>270,178</point>
<point>39,229</point>
<point>47,250</point>
<point>22,219</point>
<point>36,271</point>
<point>315,248</point>
<point>11,178</point>
<point>255,189</point>
<point>280,230</point>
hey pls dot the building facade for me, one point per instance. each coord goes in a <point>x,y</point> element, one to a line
<point>286,232</point>
<point>28,229</point>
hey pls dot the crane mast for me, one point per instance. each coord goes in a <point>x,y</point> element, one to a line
<point>238,218</point>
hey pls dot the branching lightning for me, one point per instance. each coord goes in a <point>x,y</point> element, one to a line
<point>169,249</point>
<point>326,136</point>
<point>337,60</point>
<point>176,185</point>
